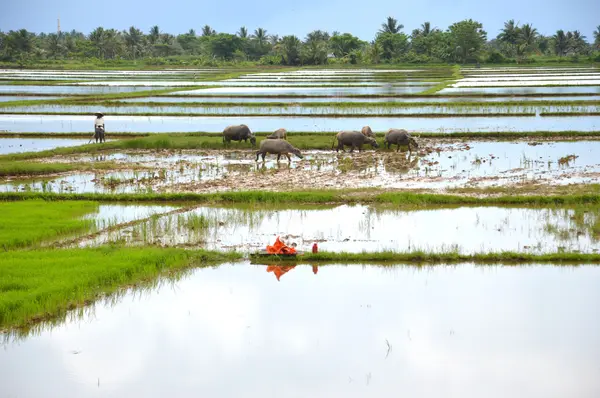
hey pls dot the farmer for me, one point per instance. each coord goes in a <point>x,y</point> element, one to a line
<point>99,127</point>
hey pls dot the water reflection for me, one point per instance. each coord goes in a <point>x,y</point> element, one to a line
<point>453,331</point>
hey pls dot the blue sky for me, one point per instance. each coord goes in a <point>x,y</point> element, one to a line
<point>361,18</point>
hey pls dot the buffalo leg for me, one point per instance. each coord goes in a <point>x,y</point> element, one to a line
<point>278,156</point>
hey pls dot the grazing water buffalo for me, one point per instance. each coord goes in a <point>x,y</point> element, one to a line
<point>277,147</point>
<point>399,137</point>
<point>368,132</point>
<point>354,139</point>
<point>279,134</point>
<point>238,133</point>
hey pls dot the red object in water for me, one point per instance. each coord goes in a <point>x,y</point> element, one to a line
<point>315,249</point>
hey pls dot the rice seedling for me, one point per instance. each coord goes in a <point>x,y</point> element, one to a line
<point>37,285</point>
<point>30,222</point>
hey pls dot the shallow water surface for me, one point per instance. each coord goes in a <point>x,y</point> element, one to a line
<point>67,89</point>
<point>522,90</point>
<point>324,331</point>
<point>216,124</point>
<point>15,145</point>
<point>363,228</point>
<point>237,99</point>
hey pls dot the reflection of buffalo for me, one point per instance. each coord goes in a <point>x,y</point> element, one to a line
<point>399,137</point>
<point>99,133</point>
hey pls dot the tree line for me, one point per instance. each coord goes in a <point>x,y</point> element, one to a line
<point>462,42</point>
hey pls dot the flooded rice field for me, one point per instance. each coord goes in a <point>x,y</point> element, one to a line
<point>8,98</point>
<point>245,83</point>
<point>16,145</point>
<point>67,89</point>
<point>293,100</point>
<point>445,330</point>
<point>299,109</point>
<point>436,165</point>
<point>381,89</point>
<point>360,228</point>
<point>521,90</point>
<point>216,124</point>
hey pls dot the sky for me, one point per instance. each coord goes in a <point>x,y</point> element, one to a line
<point>361,18</point>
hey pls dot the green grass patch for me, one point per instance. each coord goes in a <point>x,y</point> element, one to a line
<point>38,285</point>
<point>591,195</point>
<point>23,168</point>
<point>422,257</point>
<point>27,223</point>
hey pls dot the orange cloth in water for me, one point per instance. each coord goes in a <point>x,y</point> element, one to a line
<point>280,248</point>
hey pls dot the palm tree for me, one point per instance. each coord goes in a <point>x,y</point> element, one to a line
<point>316,36</point>
<point>578,43</point>
<point>528,36</point>
<point>133,39</point>
<point>260,35</point>
<point>375,52</point>
<point>290,47</point>
<point>192,33</point>
<point>510,33</point>
<point>561,43</point>
<point>391,26</point>
<point>243,32</point>
<point>55,44</point>
<point>597,37</point>
<point>97,37</point>
<point>208,31</point>
<point>315,52</point>
<point>154,34</point>
<point>274,39</point>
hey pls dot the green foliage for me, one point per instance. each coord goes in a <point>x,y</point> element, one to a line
<point>27,223</point>
<point>224,45</point>
<point>343,45</point>
<point>289,48</point>
<point>393,45</point>
<point>467,39</point>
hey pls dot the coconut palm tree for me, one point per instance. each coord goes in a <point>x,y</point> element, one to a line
<point>133,39</point>
<point>561,43</point>
<point>154,34</point>
<point>578,43</point>
<point>391,26</point>
<point>274,39</point>
<point>316,36</point>
<point>290,48</point>
<point>260,35</point>
<point>597,38</point>
<point>208,31</point>
<point>510,33</point>
<point>528,36</point>
<point>243,32</point>
<point>97,37</point>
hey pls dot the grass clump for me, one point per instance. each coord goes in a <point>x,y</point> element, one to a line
<point>22,168</point>
<point>37,285</point>
<point>423,257</point>
<point>27,223</point>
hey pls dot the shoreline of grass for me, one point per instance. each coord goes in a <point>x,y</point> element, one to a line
<point>391,258</point>
<point>291,114</point>
<point>398,198</point>
<point>41,285</point>
<point>214,141</point>
<point>23,168</point>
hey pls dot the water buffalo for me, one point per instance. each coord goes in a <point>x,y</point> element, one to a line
<point>279,134</point>
<point>238,133</point>
<point>399,137</point>
<point>368,132</point>
<point>354,139</point>
<point>99,134</point>
<point>277,147</point>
